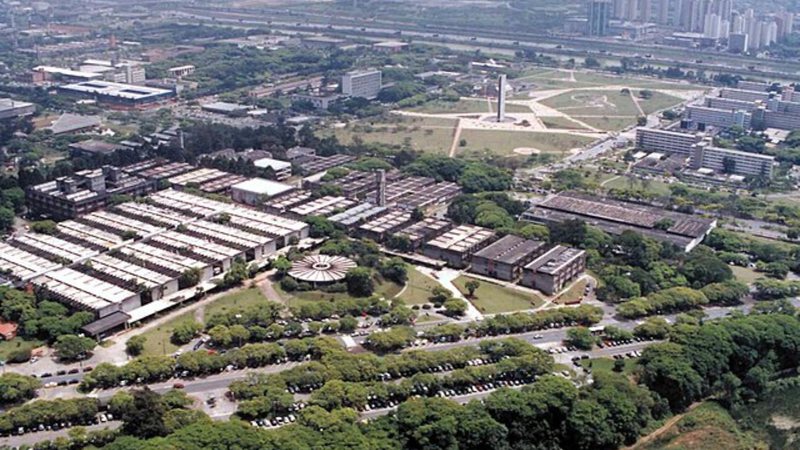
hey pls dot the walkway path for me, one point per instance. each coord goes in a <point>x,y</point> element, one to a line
<point>661,430</point>
<point>456,140</point>
<point>445,277</point>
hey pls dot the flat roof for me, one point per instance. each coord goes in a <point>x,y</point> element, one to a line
<point>357,213</point>
<point>108,322</point>
<point>119,90</point>
<point>96,146</point>
<point>510,249</point>
<point>9,104</point>
<point>262,186</point>
<point>462,238</point>
<point>275,164</point>
<point>555,260</point>
<point>626,213</point>
<point>224,107</point>
<point>67,123</point>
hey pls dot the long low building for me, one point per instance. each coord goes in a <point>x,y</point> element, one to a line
<point>117,94</point>
<point>131,261</point>
<point>614,217</point>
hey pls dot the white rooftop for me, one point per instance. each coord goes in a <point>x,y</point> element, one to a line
<point>262,186</point>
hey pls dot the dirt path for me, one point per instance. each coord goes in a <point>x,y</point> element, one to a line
<point>636,102</point>
<point>456,139</point>
<point>267,290</point>
<point>661,430</point>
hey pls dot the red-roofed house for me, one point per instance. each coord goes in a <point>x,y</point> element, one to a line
<point>8,330</point>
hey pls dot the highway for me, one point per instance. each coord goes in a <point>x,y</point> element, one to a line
<point>542,43</point>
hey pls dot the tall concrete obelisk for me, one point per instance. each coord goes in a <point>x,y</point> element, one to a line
<point>501,98</point>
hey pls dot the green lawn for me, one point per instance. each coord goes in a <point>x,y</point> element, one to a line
<point>573,294</point>
<point>158,342</point>
<point>243,298</point>
<point>419,287</point>
<point>654,186</point>
<point>746,274</point>
<point>561,123</point>
<point>512,108</point>
<point>459,107</point>
<point>493,298</point>
<point>7,347</point>
<point>593,102</point>
<point>607,364</point>
<point>504,142</point>
<point>420,136</point>
<point>657,102</point>
<point>383,288</point>
<point>608,123</point>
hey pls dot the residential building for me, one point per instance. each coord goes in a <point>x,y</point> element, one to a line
<point>599,15</point>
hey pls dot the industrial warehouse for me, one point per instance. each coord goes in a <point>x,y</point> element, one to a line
<point>614,217</point>
<point>130,260</point>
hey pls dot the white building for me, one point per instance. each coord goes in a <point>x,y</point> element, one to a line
<point>256,190</point>
<point>365,84</point>
<point>282,169</point>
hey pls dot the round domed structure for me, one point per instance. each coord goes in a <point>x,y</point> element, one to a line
<point>321,269</point>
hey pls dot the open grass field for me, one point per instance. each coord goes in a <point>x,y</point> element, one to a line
<point>157,339</point>
<point>560,123</point>
<point>511,108</point>
<point>654,186</point>
<point>707,427</point>
<point>593,102</point>
<point>244,298</point>
<point>657,102</point>
<point>607,364</point>
<point>6,347</point>
<point>503,143</point>
<point>746,274</point>
<point>459,107</point>
<point>433,135</point>
<point>419,288</point>
<point>606,123</point>
<point>493,298</point>
<point>573,293</point>
<point>383,288</point>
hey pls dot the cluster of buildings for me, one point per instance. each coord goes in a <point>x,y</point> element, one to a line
<point>131,260</point>
<point>750,105</point>
<point>692,157</point>
<point>355,84</point>
<point>697,23</point>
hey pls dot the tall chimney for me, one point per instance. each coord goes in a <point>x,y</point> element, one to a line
<point>381,187</point>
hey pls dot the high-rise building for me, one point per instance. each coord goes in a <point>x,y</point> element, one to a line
<point>362,84</point>
<point>599,14</point>
<point>738,42</point>
<point>645,10</point>
<point>501,98</point>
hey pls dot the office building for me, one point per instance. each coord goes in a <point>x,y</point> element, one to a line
<point>551,272</point>
<point>86,191</point>
<point>11,109</point>
<point>181,71</point>
<point>381,227</point>
<point>702,117</point>
<point>505,258</point>
<point>365,84</point>
<point>664,141</point>
<point>420,232</point>
<point>731,161</point>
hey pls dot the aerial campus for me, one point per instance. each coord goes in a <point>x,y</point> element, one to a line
<point>399,224</point>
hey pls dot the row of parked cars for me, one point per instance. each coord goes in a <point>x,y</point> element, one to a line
<point>279,421</point>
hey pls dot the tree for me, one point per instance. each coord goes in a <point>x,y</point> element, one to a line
<point>282,265</point>
<point>70,347</point>
<point>581,338</point>
<point>185,331</point>
<point>221,336</point>
<point>471,286</point>
<point>135,345</point>
<point>16,388</point>
<point>394,269</point>
<point>145,416</point>
<point>455,307</point>
<point>641,121</point>
<point>189,278</point>
<point>359,282</point>
<point>44,227</point>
